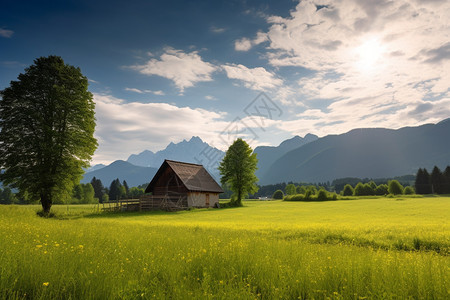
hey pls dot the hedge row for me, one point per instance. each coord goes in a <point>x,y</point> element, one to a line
<point>322,195</point>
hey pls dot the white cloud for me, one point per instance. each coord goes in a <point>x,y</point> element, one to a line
<point>93,81</point>
<point>243,44</point>
<point>261,37</point>
<point>135,90</point>
<point>375,63</point>
<point>246,44</point>
<point>124,127</point>
<point>158,92</point>
<point>12,64</point>
<point>6,33</point>
<point>209,97</point>
<point>215,29</point>
<point>184,69</point>
<point>253,78</point>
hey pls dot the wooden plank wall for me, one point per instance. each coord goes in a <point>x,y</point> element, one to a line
<point>169,184</point>
<point>150,202</point>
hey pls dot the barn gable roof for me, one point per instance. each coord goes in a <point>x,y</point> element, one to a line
<point>194,177</point>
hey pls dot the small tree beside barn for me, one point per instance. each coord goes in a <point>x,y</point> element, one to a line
<point>238,170</point>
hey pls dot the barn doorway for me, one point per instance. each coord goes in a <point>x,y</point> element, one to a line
<point>207,200</point>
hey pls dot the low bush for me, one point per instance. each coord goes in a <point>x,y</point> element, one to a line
<point>296,197</point>
<point>348,190</point>
<point>322,195</point>
<point>278,194</point>
<point>395,188</point>
<point>381,190</point>
<point>308,195</point>
<point>409,190</point>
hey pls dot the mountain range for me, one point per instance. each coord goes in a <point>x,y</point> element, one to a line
<point>134,175</point>
<point>140,168</point>
<point>364,153</point>
<point>193,151</point>
<point>187,151</point>
<point>267,155</point>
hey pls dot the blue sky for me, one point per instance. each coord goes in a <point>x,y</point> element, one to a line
<point>163,71</point>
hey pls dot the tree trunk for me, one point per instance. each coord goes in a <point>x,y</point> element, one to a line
<point>46,201</point>
<point>239,201</point>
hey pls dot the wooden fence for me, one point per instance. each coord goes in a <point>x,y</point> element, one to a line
<point>120,205</point>
<point>148,202</point>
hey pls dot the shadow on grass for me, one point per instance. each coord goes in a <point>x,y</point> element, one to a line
<point>125,214</point>
<point>46,215</point>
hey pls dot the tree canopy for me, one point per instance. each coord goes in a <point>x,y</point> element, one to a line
<point>116,190</point>
<point>238,170</point>
<point>395,188</point>
<point>348,190</point>
<point>99,189</point>
<point>278,194</point>
<point>291,189</point>
<point>437,181</point>
<point>423,182</point>
<point>47,125</point>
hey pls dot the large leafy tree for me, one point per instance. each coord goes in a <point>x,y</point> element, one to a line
<point>47,130</point>
<point>238,170</point>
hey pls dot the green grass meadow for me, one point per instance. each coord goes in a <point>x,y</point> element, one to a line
<point>386,248</point>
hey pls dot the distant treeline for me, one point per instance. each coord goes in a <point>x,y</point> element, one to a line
<point>8,197</point>
<point>394,187</point>
<point>311,193</point>
<point>83,193</point>
<point>268,190</point>
<point>336,185</point>
<point>117,190</point>
<point>339,184</point>
<point>304,193</point>
<point>437,182</point>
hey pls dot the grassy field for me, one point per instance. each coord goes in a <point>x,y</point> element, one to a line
<point>357,249</point>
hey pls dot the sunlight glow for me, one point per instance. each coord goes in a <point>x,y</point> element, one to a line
<point>369,55</point>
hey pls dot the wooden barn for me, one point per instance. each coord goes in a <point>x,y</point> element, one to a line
<point>179,185</point>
